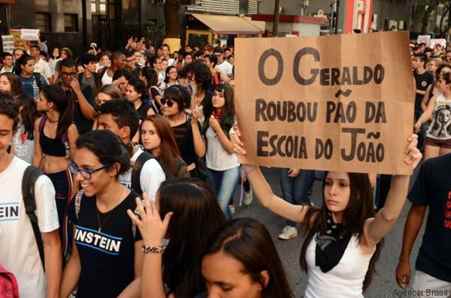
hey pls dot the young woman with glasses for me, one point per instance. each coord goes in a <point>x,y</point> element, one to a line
<point>107,248</point>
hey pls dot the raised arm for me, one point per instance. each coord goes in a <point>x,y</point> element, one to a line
<point>376,228</point>
<point>86,108</point>
<point>199,144</point>
<point>269,200</point>
<point>222,137</point>
<point>153,231</point>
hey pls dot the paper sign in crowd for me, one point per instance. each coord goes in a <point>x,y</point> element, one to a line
<point>341,103</point>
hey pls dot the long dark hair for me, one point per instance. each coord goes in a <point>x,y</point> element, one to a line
<point>27,107</point>
<point>108,148</point>
<point>180,95</point>
<point>166,80</point>
<point>249,242</point>
<point>14,81</point>
<point>202,74</point>
<point>22,61</point>
<point>196,217</point>
<point>228,117</point>
<point>359,209</point>
<point>169,151</point>
<point>64,105</point>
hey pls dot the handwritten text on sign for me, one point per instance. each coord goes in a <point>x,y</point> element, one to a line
<point>339,103</point>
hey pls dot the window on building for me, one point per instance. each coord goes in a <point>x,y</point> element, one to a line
<point>98,7</point>
<point>42,21</point>
<point>244,7</point>
<point>70,23</point>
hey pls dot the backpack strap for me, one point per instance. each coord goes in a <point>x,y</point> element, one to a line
<point>28,183</point>
<point>42,123</point>
<point>77,202</point>
<point>136,171</point>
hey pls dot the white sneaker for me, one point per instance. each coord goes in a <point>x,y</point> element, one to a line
<point>288,233</point>
<point>248,197</point>
<point>232,210</point>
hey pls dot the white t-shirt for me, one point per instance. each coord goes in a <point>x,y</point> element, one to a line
<point>43,68</point>
<point>171,61</point>
<point>152,175</point>
<point>6,69</point>
<point>226,68</point>
<point>23,147</point>
<point>217,158</point>
<point>18,250</point>
<point>106,79</point>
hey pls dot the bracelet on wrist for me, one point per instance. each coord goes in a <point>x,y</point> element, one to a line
<point>149,249</point>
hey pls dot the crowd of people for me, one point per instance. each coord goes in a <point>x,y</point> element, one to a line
<point>139,158</point>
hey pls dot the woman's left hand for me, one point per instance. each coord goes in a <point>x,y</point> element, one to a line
<point>147,218</point>
<point>413,155</point>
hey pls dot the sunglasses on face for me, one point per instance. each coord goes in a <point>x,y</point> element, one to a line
<point>167,101</point>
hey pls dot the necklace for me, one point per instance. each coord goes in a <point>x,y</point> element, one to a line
<point>101,223</point>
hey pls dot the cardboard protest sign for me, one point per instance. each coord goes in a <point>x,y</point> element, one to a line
<point>339,103</point>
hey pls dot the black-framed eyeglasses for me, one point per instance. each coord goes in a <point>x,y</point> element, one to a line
<point>68,74</point>
<point>85,173</point>
<point>167,101</point>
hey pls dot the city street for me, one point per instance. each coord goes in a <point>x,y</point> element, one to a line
<point>383,285</point>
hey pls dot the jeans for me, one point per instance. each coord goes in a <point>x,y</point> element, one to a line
<point>225,182</point>
<point>295,190</point>
<point>63,185</point>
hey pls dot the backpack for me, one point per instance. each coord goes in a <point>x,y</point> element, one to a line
<point>40,80</point>
<point>8,284</point>
<point>28,182</point>
<point>136,171</point>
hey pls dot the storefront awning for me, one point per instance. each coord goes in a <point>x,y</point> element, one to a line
<point>229,24</point>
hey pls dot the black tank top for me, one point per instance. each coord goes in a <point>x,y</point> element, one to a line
<point>53,147</point>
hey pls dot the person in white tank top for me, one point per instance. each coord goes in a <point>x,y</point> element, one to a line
<point>342,235</point>
<point>438,135</point>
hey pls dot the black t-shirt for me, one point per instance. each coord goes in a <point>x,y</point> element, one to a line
<point>105,242</point>
<point>142,110</point>
<point>433,189</point>
<point>423,81</point>
<point>184,139</point>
